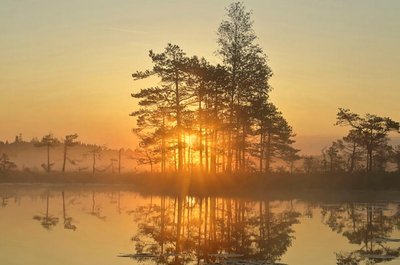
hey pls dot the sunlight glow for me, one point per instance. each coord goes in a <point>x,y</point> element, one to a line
<point>190,140</point>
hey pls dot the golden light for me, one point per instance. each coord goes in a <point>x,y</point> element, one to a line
<point>190,139</point>
<point>190,201</point>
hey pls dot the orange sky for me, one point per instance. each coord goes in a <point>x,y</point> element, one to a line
<point>66,65</point>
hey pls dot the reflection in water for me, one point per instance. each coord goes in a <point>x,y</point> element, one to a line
<point>67,219</point>
<point>366,225</point>
<point>46,220</point>
<point>96,209</point>
<point>176,230</point>
<point>204,230</point>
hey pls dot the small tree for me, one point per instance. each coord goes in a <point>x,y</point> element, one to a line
<point>95,152</point>
<point>351,150</point>
<point>68,142</point>
<point>332,159</point>
<point>6,164</point>
<point>290,156</point>
<point>147,156</point>
<point>310,164</point>
<point>48,141</point>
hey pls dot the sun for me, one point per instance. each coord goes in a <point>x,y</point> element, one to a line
<point>190,139</point>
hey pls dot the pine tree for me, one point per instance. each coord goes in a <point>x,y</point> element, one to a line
<point>48,141</point>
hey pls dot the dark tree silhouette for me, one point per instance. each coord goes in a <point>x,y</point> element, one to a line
<point>248,72</point>
<point>332,159</point>
<point>310,164</point>
<point>69,141</point>
<point>48,141</point>
<point>95,153</point>
<point>372,130</point>
<point>170,67</point>
<point>6,164</point>
<point>209,117</point>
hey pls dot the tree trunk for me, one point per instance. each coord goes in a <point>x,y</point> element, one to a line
<point>65,157</point>
<point>48,158</point>
<point>214,152</point>
<point>352,158</point>
<point>94,162</point>
<point>206,152</point>
<point>200,137</point>
<point>261,151</point>
<point>119,160</point>
<point>230,140</point>
<point>268,155</point>
<point>63,204</point>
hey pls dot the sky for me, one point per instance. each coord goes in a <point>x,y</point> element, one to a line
<point>66,65</point>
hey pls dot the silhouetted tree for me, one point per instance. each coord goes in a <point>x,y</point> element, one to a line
<point>6,164</point>
<point>48,141</point>
<point>351,150</point>
<point>95,153</point>
<point>170,67</point>
<point>332,159</point>
<point>153,119</point>
<point>275,136</point>
<point>373,130</point>
<point>290,156</point>
<point>68,142</point>
<point>310,164</point>
<point>146,154</point>
<point>241,56</point>
<point>212,114</point>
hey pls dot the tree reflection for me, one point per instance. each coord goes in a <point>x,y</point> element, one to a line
<point>96,209</point>
<point>67,219</point>
<point>46,220</point>
<point>368,225</point>
<point>177,230</point>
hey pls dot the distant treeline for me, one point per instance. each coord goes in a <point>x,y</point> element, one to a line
<point>50,154</point>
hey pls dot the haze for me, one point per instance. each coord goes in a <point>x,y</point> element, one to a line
<point>66,65</point>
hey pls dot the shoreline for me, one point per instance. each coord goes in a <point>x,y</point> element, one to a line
<point>253,186</point>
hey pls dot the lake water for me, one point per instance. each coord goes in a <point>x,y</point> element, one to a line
<point>88,225</point>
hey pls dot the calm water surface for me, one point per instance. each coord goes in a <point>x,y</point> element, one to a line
<point>95,224</point>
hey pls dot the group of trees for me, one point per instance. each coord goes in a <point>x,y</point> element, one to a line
<point>49,141</point>
<point>58,154</point>
<point>366,147</point>
<point>212,118</point>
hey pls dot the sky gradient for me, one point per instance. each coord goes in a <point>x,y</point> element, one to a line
<point>66,65</point>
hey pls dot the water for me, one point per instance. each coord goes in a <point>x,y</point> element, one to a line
<point>94,224</point>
